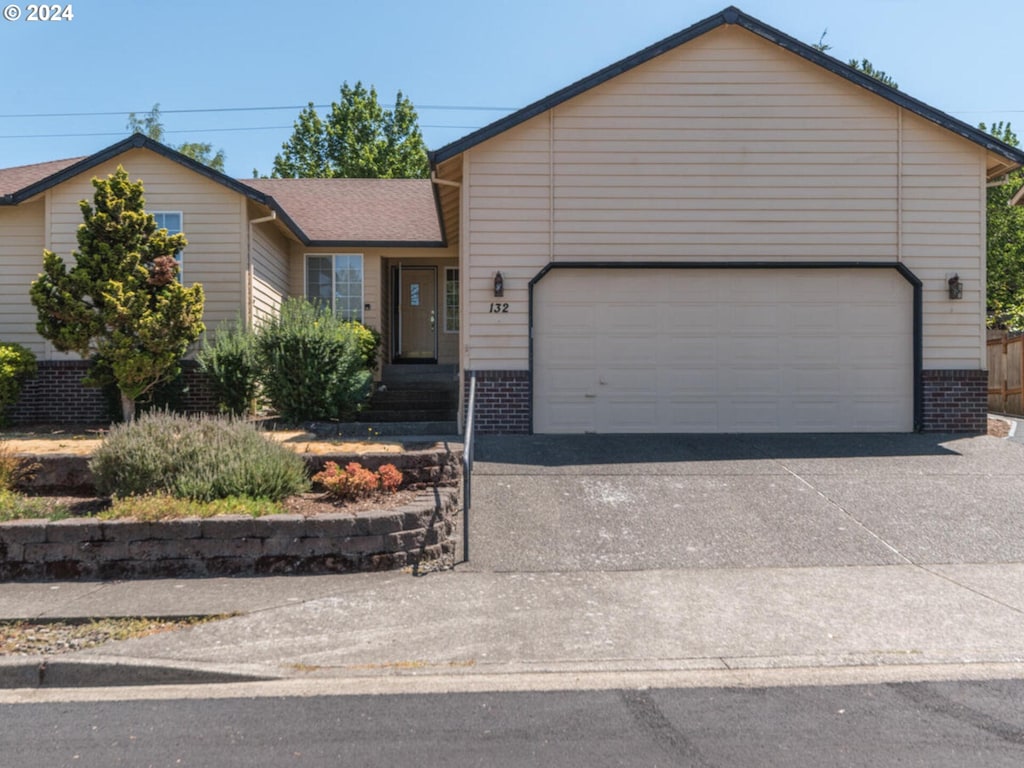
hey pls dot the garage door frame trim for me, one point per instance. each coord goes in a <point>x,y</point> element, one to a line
<point>901,268</point>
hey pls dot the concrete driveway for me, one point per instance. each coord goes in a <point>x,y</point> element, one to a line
<point>622,503</point>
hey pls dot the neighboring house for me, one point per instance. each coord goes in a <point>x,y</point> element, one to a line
<point>728,231</point>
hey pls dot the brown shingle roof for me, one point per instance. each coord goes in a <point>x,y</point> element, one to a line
<point>14,179</point>
<point>397,211</point>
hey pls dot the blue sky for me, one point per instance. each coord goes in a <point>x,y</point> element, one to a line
<point>117,56</point>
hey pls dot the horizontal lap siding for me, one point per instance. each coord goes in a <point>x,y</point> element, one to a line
<point>213,220</point>
<point>944,232</point>
<point>21,256</point>
<point>270,270</point>
<point>727,148</point>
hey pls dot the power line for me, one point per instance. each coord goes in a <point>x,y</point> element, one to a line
<point>448,107</point>
<point>197,130</point>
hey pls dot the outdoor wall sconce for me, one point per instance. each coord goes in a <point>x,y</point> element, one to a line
<point>956,286</point>
<point>499,284</point>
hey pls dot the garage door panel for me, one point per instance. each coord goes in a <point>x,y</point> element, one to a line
<point>736,350</point>
<point>806,383</point>
<point>751,415</point>
<point>701,382</point>
<point>813,318</point>
<point>678,352</point>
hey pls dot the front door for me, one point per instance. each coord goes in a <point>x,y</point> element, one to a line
<point>417,314</point>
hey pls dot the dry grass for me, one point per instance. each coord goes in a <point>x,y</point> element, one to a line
<point>26,638</point>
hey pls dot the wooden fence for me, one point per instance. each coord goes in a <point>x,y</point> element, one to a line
<point>1006,375</point>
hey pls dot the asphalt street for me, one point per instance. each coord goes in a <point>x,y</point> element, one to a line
<point>938,725</point>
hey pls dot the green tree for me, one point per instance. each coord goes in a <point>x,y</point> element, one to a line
<point>358,138</point>
<point>151,125</point>
<point>861,65</point>
<point>1005,236</point>
<point>121,304</point>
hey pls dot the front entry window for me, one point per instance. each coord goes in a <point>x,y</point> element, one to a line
<point>337,281</point>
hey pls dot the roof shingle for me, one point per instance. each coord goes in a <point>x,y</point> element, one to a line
<point>14,179</point>
<point>328,211</point>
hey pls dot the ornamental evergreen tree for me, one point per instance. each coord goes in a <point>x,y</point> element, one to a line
<point>121,304</point>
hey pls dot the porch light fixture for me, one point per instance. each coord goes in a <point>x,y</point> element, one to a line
<point>499,284</point>
<point>956,286</point>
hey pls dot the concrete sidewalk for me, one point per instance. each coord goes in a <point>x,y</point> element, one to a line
<point>464,623</point>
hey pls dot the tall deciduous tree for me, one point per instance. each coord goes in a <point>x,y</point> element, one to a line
<point>861,65</point>
<point>1005,244</point>
<point>358,138</point>
<point>121,304</point>
<point>151,125</point>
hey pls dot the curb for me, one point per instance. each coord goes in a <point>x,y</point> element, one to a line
<point>40,672</point>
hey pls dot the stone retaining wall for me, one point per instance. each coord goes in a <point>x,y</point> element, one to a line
<point>84,548</point>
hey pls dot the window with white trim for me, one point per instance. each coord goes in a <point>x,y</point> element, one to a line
<point>172,222</point>
<point>451,300</point>
<point>336,280</point>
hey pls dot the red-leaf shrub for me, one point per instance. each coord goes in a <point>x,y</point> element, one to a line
<point>356,482</point>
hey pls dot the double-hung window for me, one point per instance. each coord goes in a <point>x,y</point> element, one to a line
<point>336,281</point>
<point>172,222</point>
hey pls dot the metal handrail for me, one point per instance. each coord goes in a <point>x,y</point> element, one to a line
<point>467,467</point>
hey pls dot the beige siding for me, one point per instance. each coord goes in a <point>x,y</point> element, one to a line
<point>269,269</point>
<point>727,148</point>
<point>213,218</point>
<point>943,197</point>
<point>21,253</point>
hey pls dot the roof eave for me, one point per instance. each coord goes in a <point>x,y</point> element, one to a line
<point>731,15</point>
<point>374,243</point>
<point>135,141</point>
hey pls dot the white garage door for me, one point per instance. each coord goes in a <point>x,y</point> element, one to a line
<point>729,350</point>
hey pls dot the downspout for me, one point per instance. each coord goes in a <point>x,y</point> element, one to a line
<point>899,185</point>
<point>249,268</point>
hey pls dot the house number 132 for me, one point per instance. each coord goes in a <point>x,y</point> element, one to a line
<point>501,308</point>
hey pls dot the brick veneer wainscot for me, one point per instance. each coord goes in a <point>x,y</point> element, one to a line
<point>502,402</point>
<point>955,401</point>
<point>56,395</point>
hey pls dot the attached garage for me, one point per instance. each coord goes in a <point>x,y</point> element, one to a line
<point>727,231</point>
<point>690,348</point>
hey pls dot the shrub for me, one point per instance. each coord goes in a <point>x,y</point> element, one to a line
<point>163,507</point>
<point>15,470</point>
<point>15,506</point>
<point>356,482</point>
<point>200,458</point>
<point>369,342</point>
<point>390,478</point>
<point>16,364</point>
<point>313,366</point>
<point>232,364</point>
